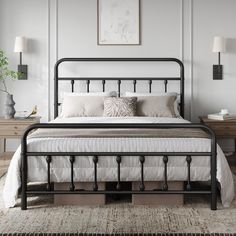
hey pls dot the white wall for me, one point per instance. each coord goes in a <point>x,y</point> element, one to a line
<point>210,18</point>
<point>169,28</point>
<point>27,18</point>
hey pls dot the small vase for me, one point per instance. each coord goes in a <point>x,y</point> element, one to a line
<point>9,110</point>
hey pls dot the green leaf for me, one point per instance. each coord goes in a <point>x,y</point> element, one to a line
<point>5,72</point>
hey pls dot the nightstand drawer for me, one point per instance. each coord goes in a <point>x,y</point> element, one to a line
<point>223,129</point>
<point>224,133</point>
<point>12,130</point>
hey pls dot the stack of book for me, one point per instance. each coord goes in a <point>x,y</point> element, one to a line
<point>219,116</point>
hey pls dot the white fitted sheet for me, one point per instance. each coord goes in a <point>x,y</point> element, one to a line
<point>130,166</point>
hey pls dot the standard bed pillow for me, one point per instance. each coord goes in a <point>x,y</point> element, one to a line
<point>176,106</point>
<point>156,106</point>
<point>82,106</point>
<point>119,107</point>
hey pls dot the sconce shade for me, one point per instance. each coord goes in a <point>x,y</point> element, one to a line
<point>218,44</point>
<point>20,44</point>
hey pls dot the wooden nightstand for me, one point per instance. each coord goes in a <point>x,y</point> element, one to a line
<point>222,128</point>
<point>14,128</point>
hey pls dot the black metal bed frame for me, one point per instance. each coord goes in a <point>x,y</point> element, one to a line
<point>72,155</point>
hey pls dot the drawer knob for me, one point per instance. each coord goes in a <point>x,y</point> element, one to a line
<point>16,127</point>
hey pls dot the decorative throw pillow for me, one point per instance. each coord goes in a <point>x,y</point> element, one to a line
<point>119,107</point>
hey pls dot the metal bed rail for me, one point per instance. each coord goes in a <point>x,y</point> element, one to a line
<point>141,155</point>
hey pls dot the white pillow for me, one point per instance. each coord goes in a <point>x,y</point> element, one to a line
<point>176,105</point>
<point>84,104</point>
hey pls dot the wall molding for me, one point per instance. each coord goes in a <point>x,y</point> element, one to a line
<point>52,45</point>
<point>56,29</point>
<point>48,57</point>
<point>187,54</point>
<point>181,30</point>
<point>191,60</point>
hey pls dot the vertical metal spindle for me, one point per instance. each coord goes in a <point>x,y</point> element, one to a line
<point>95,185</point>
<point>72,85</point>
<point>166,82</point>
<point>49,159</point>
<point>72,160</point>
<point>165,185</point>
<point>135,82</point>
<point>189,160</point>
<point>118,160</point>
<point>119,82</point>
<point>142,160</point>
<point>103,85</point>
<point>88,83</point>
<point>150,86</point>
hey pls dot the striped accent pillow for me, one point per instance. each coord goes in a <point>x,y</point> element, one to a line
<point>120,107</point>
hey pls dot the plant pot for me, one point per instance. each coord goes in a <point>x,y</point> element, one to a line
<point>9,110</point>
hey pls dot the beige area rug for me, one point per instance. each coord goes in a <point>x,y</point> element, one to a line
<point>43,217</point>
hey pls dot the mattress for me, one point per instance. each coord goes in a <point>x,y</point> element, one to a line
<point>130,165</point>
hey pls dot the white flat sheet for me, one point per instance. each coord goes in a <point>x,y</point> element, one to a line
<point>130,167</point>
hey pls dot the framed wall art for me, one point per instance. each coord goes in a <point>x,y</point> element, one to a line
<point>118,22</point>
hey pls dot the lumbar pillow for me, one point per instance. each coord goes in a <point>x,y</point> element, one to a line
<point>118,107</point>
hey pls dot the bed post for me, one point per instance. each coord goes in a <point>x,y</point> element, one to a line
<point>213,173</point>
<point>24,172</point>
<point>181,85</point>
<point>56,87</point>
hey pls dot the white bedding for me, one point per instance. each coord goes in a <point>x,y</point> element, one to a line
<point>107,167</point>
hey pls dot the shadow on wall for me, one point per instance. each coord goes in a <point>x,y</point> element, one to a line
<point>32,46</point>
<point>231,45</point>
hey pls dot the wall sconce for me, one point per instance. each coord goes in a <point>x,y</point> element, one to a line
<point>21,46</point>
<point>218,46</point>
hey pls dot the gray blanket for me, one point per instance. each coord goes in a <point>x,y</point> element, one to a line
<point>98,133</point>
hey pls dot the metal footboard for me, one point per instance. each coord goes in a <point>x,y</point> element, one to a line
<point>141,155</point>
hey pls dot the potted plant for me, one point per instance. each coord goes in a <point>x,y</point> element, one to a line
<point>6,73</point>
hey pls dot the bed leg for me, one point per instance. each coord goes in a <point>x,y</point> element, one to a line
<point>23,201</point>
<point>213,194</point>
<point>23,198</point>
<point>213,202</point>
<point>23,183</point>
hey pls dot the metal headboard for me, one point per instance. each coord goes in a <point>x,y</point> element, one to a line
<point>119,79</point>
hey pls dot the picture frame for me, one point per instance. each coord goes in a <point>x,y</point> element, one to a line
<point>118,22</point>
